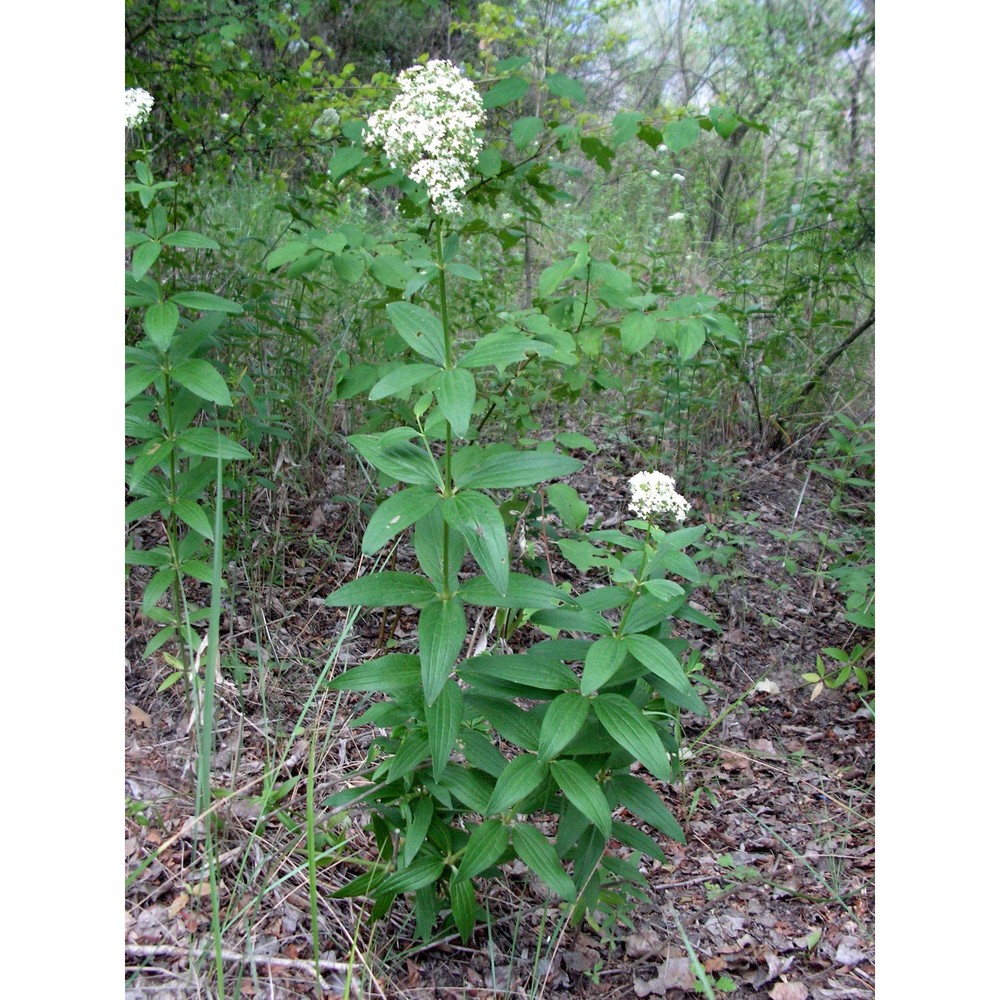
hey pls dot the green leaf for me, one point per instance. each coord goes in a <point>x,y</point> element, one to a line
<point>392,453</point>
<point>344,160</point>
<point>625,124</point>
<point>137,378</point>
<point>286,253</point>
<point>389,674</point>
<point>604,658</point>
<point>511,89</point>
<point>194,517</point>
<point>677,136</point>
<point>520,778</point>
<point>463,271</point>
<point>522,592</point>
<point>472,787</point>
<point>638,329</point>
<point>486,844</point>
<point>443,720</point>
<point>626,725</point>
<point>186,238</point>
<point>416,831</point>
<point>463,905</point>
<point>554,275</point>
<point>640,800</point>
<point>584,792</point>
<point>480,523</point>
<point>411,755</point>
<point>502,348</point>
<point>514,724</point>
<point>455,389</point>
<point>564,718</point>
<point>663,590</point>
<point>201,378</point>
<point>489,162</point>
<point>143,258</point>
<point>392,271</point>
<point>420,328</point>
<point>521,669</point>
<point>383,590</point>
<point>423,871</point>
<point>211,444</point>
<point>506,470</point>
<point>160,321</point>
<point>560,85</point>
<point>396,514</point>
<point>401,379</point>
<point>571,509</point>
<point>524,130</point>
<point>690,335</point>
<point>657,658</point>
<point>540,856</point>
<point>441,631</point>
<point>206,302</point>
<point>573,620</point>
<point>723,121</point>
<point>570,439</point>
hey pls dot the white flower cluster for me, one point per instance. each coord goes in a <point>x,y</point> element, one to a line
<point>138,104</point>
<point>656,493</point>
<point>429,130</point>
<point>676,217</point>
<point>329,118</point>
<point>677,178</point>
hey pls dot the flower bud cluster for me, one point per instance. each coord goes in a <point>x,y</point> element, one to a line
<point>429,130</point>
<point>655,493</point>
<point>138,104</point>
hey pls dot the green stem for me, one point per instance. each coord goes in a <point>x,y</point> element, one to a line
<point>638,581</point>
<point>448,364</point>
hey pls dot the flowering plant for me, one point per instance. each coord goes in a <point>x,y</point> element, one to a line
<point>655,493</point>
<point>138,104</point>
<point>429,130</point>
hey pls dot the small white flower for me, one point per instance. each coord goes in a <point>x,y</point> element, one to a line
<point>329,118</point>
<point>662,148</point>
<point>429,130</point>
<point>656,493</point>
<point>506,217</point>
<point>138,104</point>
<point>676,217</point>
<point>677,178</point>
<point>654,174</point>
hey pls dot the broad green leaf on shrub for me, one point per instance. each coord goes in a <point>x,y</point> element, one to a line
<point>416,830</point>
<point>137,378</point>
<point>465,271</point>
<point>512,723</point>
<point>441,631</point>
<point>563,720</point>
<point>583,555</point>
<point>520,778</point>
<point>413,751</point>
<point>201,378</point>
<point>158,585</point>
<point>150,455</point>
<point>396,514</point>
<point>657,658</point>
<point>629,727</point>
<point>571,509</point>
<point>603,155</point>
<point>387,674</point>
<point>420,328</point>
<point>392,271</point>
<point>540,856</point>
<point>604,658</point>
<point>689,614</point>
<point>570,439</point>
<point>677,136</point>
<point>584,792</point>
<point>160,321</point>
<point>476,517</point>
<point>455,390</point>
<point>522,592</point>
<point>723,121</point>
<point>683,565</point>
<point>211,444</point>
<point>640,800</point>
<point>343,161</point>
<point>194,517</point>
<point>144,256</point>
<point>560,85</point>
<point>401,379</point>
<point>383,590</point>
<point>424,871</point>
<point>625,124</point>
<point>206,302</point>
<point>524,130</point>
<point>349,267</point>
<point>505,470</point>
<point>638,329</point>
<point>487,842</point>
<point>501,349</point>
<point>392,453</point>
<point>443,720</point>
<point>690,335</point>
<point>554,275</point>
<point>463,905</point>
<point>513,88</point>
<point>489,162</point>
<point>186,238</point>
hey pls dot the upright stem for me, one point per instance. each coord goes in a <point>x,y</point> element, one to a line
<point>638,583</point>
<point>443,297</point>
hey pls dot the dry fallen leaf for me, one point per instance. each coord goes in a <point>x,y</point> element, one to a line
<point>178,904</point>
<point>789,991</point>
<point>139,717</point>
<point>674,974</point>
<point>766,687</point>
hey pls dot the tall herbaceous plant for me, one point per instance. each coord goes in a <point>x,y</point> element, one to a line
<point>484,754</point>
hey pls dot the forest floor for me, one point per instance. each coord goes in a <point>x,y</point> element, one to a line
<point>774,890</point>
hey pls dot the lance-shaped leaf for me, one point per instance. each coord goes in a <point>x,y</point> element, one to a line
<point>628,727</point>
<point>564,718</point>
<point>519,779</point>
<point>424,871</point>
<point>206,302</point>
<point>487,842</point>
<point>505,470</point>
<point>401,379</point>
<point>203,380</point>
<point>522,592</point>
<point>383,590</point>
<point>443,720</point>
<point>441,631</point>
<point>540,856</point>
<point>603,660</point>
<point>416,830</point>
<point>211,444</point>
<point>657,658</point>
<point>160,321</point>
<point>463,905</point>
<point>396,514</point>
<point>476,517</point>
<point>420,328</point>
<point>394,454</point>
<point>584,792</point>
<point>640,800</point>
<point>390,674</point>
<point>455,390</point>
